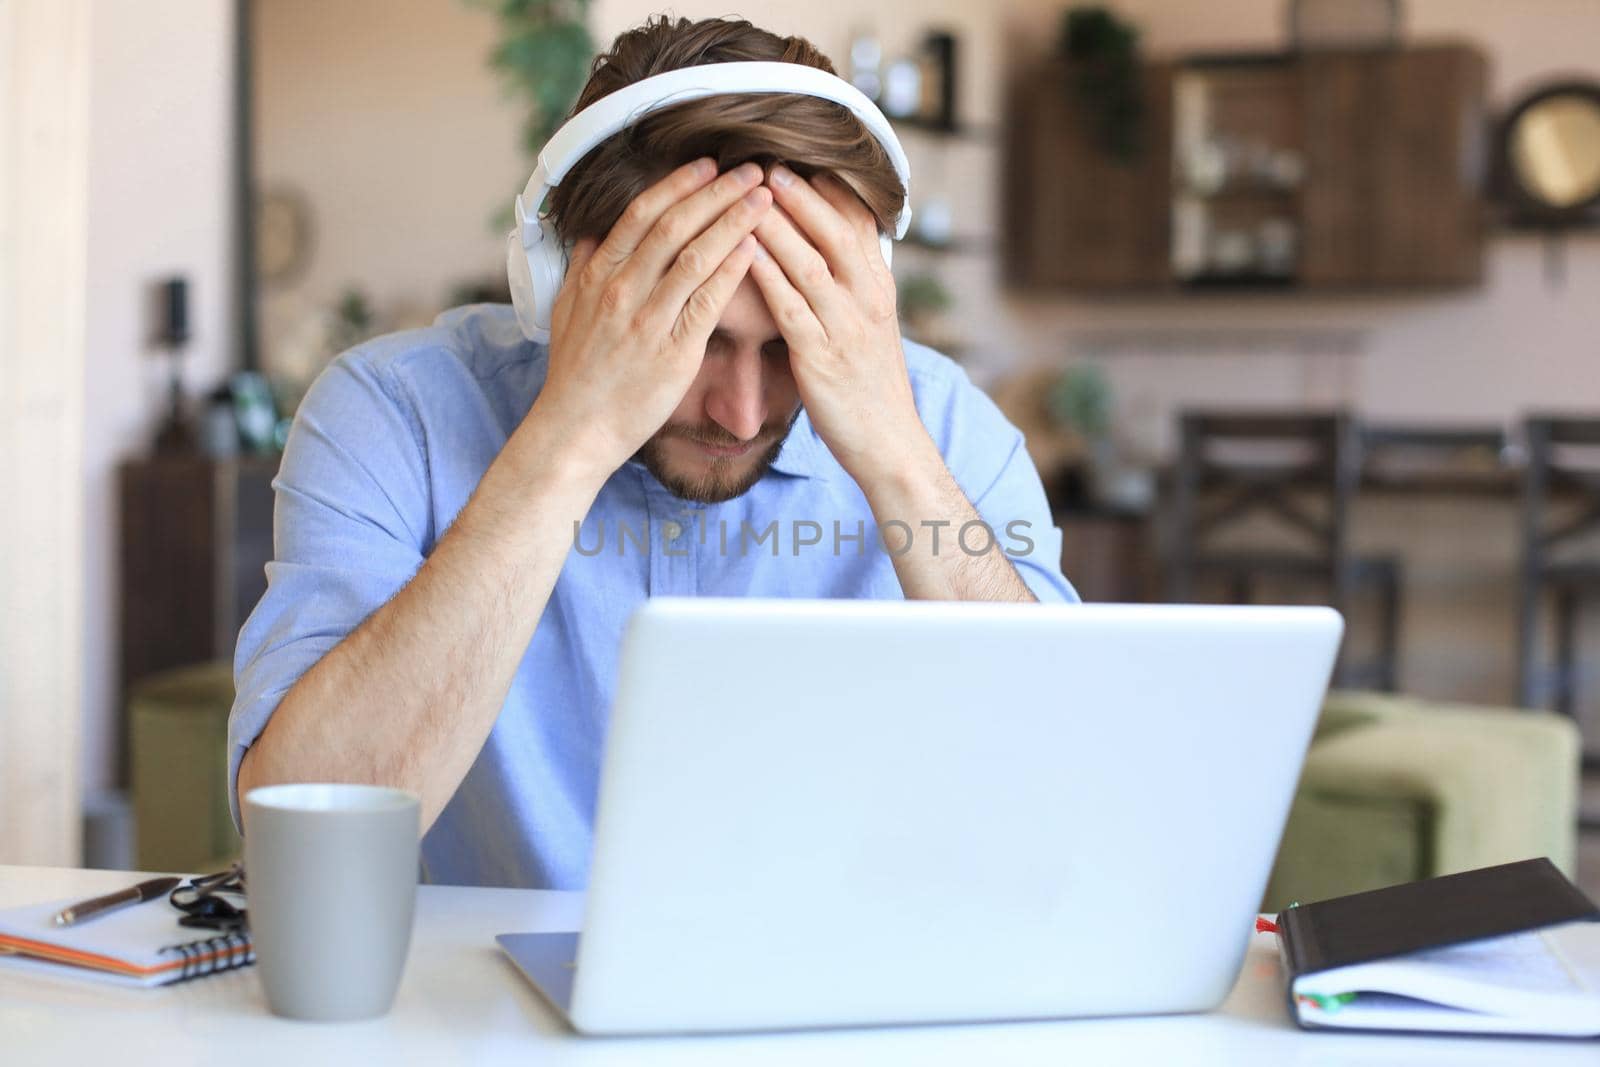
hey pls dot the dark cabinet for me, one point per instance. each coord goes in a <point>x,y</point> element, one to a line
<point>196,538</point>
<point>1074,216</point>
<point>1364,169</point>
<point>1396,158</point>
<point>1109,557</point>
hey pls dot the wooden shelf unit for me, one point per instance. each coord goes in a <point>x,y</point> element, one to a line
<point>1382,158</point>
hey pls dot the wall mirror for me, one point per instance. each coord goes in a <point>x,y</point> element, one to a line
<point>1551,152</point>
<point>1549,164</point>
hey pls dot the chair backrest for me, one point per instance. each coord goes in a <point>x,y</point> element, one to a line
<point>1563,458</point>
<point>1298,468</point>
<point>1431,457</point>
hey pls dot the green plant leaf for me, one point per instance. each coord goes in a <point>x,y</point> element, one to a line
<point>543,57</point>
<point>1080,400</point>
<point>922,294</point>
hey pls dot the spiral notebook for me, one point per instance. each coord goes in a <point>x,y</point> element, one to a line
<point>140,945</point>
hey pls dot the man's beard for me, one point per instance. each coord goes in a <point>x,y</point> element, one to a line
<point>721,480</point>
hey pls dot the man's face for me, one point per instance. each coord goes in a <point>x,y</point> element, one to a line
<point>732,423</point>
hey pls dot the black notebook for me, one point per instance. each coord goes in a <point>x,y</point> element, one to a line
<point>1513,949</point>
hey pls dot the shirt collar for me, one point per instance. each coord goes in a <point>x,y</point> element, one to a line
<point>801,453</point>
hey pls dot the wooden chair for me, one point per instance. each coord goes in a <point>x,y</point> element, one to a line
<point>1553,560</point>
<point>1454,460</point>
<point>1303,476</point>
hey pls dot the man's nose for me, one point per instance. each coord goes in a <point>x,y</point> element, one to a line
<point>737,399</point>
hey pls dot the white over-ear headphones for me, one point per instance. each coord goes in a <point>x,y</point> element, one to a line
<point>536,257</point>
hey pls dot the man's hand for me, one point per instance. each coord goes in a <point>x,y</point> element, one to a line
<point>824,279</point>
<point>630,325</point>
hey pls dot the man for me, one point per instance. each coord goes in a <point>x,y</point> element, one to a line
<point>724,407</point>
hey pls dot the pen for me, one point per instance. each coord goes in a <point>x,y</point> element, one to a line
<point>137,894</point>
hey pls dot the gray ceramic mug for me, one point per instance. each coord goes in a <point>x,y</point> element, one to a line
<point>331,880</point>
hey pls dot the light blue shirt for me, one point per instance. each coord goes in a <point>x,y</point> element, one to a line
<point>391,441</point>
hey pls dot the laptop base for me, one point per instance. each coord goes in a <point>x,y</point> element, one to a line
<point>547,960</point>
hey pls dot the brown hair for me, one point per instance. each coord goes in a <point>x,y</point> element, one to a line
<point>807,134</point>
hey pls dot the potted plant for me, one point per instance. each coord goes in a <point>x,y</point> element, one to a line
<point>544,55</point>
<point>1081,402</point>
<point>924,306</point>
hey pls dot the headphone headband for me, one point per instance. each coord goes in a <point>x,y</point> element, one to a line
<point>536,258</point>
<point>615,112</point>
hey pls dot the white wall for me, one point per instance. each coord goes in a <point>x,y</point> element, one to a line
<point>387,117</point>
<point>159,204</point>
<point>44,152</point>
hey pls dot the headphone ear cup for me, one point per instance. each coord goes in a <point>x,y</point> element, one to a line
<point>535,276</point>
<point>520,278</point>
<point>548,264</point>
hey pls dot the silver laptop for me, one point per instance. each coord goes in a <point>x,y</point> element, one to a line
<point>838,813</point>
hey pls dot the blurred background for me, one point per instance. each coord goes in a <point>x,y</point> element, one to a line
<point>1295,301</point>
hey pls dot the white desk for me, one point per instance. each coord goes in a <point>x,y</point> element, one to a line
<point>462,1002</point>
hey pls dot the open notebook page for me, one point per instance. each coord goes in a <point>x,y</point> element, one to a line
<point>1549,977</point>
<point>135,944</point>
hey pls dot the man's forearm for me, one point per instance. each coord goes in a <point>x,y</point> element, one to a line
<point>941,547</point>
<point>408,698</point>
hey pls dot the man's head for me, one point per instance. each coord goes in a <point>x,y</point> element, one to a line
<point>732,422</point>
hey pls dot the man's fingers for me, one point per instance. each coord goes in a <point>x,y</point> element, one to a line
<point>703,309</point>
<point>805,267</point>
<point>649,206</point>
<point>875,291</point>
<point>582,249</point>
<point>796,320</point>
<point>579,255</point>
<point>705,253</point>
<point>821,223</point>
<point>681,223</point>
<point>855,212</point>
<point>578,258</point>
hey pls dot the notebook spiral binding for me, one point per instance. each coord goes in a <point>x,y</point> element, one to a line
<point>213,955</point>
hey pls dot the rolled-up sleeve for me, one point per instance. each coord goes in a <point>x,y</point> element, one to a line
<point>1014,505</point>
<point>350,528</point>
<point>988,458</point>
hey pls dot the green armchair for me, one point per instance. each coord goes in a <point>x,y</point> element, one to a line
<point>1395,789</point>
<point>178,736</point>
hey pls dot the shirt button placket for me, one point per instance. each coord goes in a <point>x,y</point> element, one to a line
<point>672,556</point>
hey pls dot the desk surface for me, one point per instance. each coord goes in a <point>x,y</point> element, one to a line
<point>462,1002</point>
